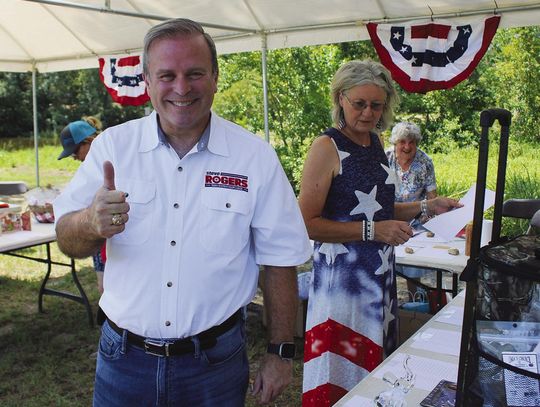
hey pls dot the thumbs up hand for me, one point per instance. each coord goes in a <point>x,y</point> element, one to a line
<point>109,210</point>
<point>108,176</point>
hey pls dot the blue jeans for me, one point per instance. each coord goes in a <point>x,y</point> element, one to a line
<point>127,376</point>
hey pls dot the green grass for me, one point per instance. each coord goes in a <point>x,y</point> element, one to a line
<point>45,356</point>
<point>20,165</point>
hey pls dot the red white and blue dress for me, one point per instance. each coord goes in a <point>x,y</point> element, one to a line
<point>351,321</point>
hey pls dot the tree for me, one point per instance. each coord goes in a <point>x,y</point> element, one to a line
<point>15,105</point>
<point>514,78</point>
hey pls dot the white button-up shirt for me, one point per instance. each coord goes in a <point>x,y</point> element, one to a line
<point>198,226</point>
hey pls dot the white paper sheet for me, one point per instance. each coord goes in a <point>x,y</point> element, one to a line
<point>438,341</point>
<point>448,224</point>
<point>358,401</point>
<point>429,372</point>
<point>451,315</point>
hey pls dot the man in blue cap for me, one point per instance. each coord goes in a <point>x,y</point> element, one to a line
<point>76,138</point>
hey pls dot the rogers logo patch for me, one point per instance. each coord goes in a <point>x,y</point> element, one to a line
<point>226,180</point>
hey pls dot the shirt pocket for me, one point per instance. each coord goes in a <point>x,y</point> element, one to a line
<point>224,220</point>
<point>142,205</point>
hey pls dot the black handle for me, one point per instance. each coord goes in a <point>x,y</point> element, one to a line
<point>488,117</point>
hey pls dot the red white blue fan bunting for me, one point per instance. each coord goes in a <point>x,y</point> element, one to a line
<point>123,78</point>
<point>433,55</point>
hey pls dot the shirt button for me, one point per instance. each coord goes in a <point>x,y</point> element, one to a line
<point>176,206</point>
<point>228,205</point>
<point>173,243</point>
<point>167,323</point>
<point>180,169</point>
<point>169,284</point>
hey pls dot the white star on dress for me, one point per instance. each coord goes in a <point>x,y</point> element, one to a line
<point>332,250</point>
<point>392,177</point>
<point>384,267</point>
<point>367,203</point>
<point>388,317</point>
<point>342,156</point>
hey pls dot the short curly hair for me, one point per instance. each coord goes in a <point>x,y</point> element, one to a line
<point>358,73</point>
<point>405,130</point>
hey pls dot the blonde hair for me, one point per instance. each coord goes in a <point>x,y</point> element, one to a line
<point>95,123</point>
<point>358,73</point>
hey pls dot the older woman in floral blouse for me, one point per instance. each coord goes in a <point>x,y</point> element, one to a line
<point>416,177</point>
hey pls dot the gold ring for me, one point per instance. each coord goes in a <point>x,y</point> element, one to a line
<point>117,220</point>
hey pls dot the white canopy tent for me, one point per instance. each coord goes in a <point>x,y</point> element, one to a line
<point>59,35</point>
<point>48,35</point>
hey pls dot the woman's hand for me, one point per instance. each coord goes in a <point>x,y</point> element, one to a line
<point>392,232</point>
<point>441,204</point>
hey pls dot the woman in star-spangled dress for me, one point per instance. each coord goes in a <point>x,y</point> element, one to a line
<point>347,200</point>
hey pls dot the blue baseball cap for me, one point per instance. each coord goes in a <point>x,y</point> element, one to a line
<point>74,134</point>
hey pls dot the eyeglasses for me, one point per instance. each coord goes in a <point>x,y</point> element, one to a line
<point>361,104</point>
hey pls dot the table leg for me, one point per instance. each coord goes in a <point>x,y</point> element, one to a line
<point>82,298</point>
<point>42,289</point>
<point>439,290</point>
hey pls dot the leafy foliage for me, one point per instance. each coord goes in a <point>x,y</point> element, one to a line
<point>515,71</point>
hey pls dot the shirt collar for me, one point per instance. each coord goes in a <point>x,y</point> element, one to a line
<point>217,142</point>
<point>213,139</point>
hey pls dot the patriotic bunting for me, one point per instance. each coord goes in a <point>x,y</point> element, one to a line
<point>123,78</point>
<point>433,55</point>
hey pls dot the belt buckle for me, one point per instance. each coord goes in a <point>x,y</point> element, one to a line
<point>148,343</point>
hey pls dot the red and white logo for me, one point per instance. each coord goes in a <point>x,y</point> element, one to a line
<point>226,180</point>
<point>433,55</point>
<point>123,78</point>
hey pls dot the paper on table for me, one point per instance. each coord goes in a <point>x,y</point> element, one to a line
<point>451,315</point>
<point>429,372</point>
<point>438,341</point>
<point>422,238</point>
<point>448,224</point>
<point>358,401</point>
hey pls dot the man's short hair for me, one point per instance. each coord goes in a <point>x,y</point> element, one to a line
<point>178,27</point>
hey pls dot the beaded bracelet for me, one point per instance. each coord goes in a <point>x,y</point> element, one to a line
<point>368,230</point>
<point>364,231</point>
<point>424,207</point>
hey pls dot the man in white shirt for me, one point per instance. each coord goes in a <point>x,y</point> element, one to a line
<point>190,205</point>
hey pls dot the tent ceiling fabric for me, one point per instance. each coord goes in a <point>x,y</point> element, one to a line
<point>55,37</point>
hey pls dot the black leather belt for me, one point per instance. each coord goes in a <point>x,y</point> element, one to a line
<point>207,339</point>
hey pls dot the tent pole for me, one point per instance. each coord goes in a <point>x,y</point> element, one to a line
<point>264,49</point>
<point>36,135</point>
